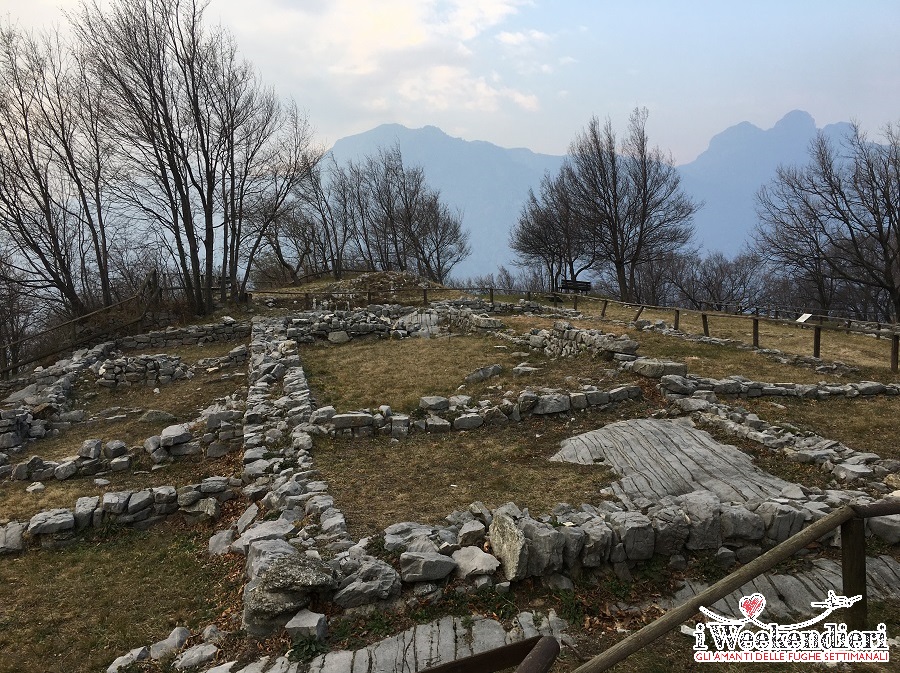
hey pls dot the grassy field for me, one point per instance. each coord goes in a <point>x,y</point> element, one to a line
<point>368,373</point>
<point>74,610</point>
<point>77,608</point>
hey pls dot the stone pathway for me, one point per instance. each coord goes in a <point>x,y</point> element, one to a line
<point>659,458</point>
<point>438,642</point>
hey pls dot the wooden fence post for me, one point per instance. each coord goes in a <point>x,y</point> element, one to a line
<point>756,332</point>
<point>853,571</point>
<point>817,341</point>
<point>677,318</point>
<point>705,320</point>
<point>424,296</point>
<point>878,332</point>
<point>895,350</point>
<point>307,301</point>
<point>638,314</point>
<point>491,290</point>
<point>369,296</point>
<point>575,302</point>
<point>528,295</point>
<point>603,311</point>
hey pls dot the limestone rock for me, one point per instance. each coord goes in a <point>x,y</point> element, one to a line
<point>656,369</point>
<point>51,521</point>
<point>551,403</point>
<point>671,527</point>
<point>425,566</point>
<point>375,580</point>
<point>739,522</point>
<point>196,656</point>
<point>170,645</point>
<point>307,624</point>
<point>545,547</point>
<point>509,546</point>
<point>472,561</point>
<point>472,532</point>
<point>886,528</point>
<point>126,660</point>
<point>434,403</point>
<point>702,509</point>
<point>174,435</point>
<point>598,542</point>
<point>635,532</point>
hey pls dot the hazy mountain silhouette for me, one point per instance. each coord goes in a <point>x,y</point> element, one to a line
<point>487,183</point>
<point>738,161</point>
<point>490,183</point>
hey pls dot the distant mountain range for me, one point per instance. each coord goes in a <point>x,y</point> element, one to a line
<point>490,183</point>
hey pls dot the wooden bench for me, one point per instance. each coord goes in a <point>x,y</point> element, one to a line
<point>574,285</point>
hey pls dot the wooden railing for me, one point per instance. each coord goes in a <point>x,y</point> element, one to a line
<point>68,337</point>
<point>853,565</point>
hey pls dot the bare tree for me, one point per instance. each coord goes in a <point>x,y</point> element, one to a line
<point>628,195</point>
<point>55,172</point>
<point>549,231</point>
<point>839,216</point>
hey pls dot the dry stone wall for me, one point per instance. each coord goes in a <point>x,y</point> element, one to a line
<point>195,502</point>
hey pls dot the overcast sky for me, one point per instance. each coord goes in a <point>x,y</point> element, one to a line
<point>523,73</point>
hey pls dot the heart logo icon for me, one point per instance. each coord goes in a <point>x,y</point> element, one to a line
<point>752,605</point>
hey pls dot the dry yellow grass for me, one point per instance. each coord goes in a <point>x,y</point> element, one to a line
<point>855,349</point>
<point>867,424</point>
<point>425,477</point>
<point>366,374</point>
<point>74,610</point>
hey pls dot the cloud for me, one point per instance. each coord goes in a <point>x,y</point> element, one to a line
<point>447,87</point>
<point>522,38</point>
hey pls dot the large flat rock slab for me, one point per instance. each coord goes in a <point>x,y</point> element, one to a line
<point>789,596</point>
<point>438,642</point>
<point>658,458</point>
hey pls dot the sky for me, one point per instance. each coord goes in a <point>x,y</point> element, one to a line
<point>531,73</point>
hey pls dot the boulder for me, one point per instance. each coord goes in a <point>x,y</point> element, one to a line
<point>425,566</point>
<point>375,580</point>
<point>551,403</point>
<point>509,546</point>
<point>51,521</point>
<point>472,561</point>
<point>307,624</point>
<point>635,531</point>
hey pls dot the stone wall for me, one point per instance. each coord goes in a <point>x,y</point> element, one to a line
<point>227,330</point>
<point>142,370</point>
<point>442,414</point>
<point>195,502</point>
<point>564,340</point>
